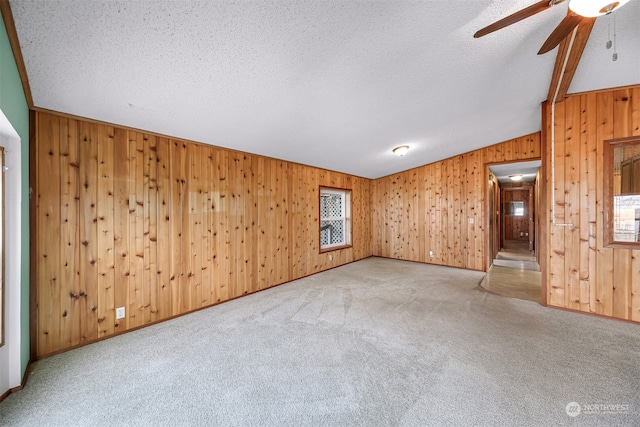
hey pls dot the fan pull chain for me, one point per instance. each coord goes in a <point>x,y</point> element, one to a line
<point>609,35</point>
<point>614,57</point>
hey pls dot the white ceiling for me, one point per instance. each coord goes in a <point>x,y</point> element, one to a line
<point>528,170</point>
<point>334,84</point>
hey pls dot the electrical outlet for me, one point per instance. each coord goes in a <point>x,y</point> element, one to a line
<point>119,313</point>
<point>470,220</point>
<point>330,257</point>
<point>431,255</point>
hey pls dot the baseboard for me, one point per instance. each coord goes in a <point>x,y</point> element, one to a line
<point>601,316</point>
<point>22,383</point>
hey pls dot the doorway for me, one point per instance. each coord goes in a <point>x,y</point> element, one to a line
<point>10,352</point>
<point>513,255</point>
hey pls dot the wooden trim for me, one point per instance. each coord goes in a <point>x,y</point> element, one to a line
<point>33,228</point>
<point>431,263</point>
<point>486,261</point>
<point>488,255</point>
<point>509,162</point>
<point>608,171</point>
<point>25,377</point>
<point>9,24</point>
<point>564,81</point>
<point>592,314</point>
<point>532,159</point>
<point>543,218</point>
<point>606,90</point>
<point>335,248</point>
<point>21,386</point>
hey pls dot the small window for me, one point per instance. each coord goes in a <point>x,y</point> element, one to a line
<point>622,192</point>
<point>516,208</point>
<point>335,218</point>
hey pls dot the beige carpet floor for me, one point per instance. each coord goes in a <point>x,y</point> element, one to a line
<point>378,342</point>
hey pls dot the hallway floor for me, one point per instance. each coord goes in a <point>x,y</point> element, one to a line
<point>514,283</point>
<point>515,273</point>
<point>516,254</point>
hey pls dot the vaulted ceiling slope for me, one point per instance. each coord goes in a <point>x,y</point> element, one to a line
<point>334,84</point>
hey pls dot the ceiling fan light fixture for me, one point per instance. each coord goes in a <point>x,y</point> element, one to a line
<point>593,8</point>
<point>401,150</point>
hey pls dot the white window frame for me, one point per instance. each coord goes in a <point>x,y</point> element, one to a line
<point>345,217</point>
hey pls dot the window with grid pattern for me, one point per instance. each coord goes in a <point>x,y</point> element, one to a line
<point>335,218</point>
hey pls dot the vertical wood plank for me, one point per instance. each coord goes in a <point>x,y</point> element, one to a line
<point>222,234</point>
<point>572,204</point>
<point>557,276</point>
<point>70,333</point>
<point>151,311</point>
<point>105,216</point>
<point>604,284</point>
<point>49,178</point>
<point>176,208</point>
<point>194,244</point>
<point>164,247</point>
<point>206,171</point>
<point>88,231</point>
<point>591,172</point>
<point>121,191</point>
<point>622,127</point>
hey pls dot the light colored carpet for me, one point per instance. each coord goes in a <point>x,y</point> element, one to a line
<point>376,342</point>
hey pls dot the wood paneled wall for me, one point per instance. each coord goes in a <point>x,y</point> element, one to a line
<point>163,227</point>
<point>429,208</point>
<point>581,273</point>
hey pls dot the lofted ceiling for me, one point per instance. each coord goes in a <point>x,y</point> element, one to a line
<point>333,84</point>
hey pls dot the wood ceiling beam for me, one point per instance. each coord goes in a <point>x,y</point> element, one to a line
<point>563,80</point>
<point>10,25</point>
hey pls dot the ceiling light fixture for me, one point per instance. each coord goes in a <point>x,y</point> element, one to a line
<point>401,150</point>
<point>593,8</point>
<point>515,177</point>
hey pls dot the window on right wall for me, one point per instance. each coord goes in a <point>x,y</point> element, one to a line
<point>622,192</point>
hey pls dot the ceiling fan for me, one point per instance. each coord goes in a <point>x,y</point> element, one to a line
<point>579,11</point>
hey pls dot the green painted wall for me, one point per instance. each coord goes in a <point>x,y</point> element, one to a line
<point>14,105</point>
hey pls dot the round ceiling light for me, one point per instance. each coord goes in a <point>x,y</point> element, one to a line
<point>593,8</point>
<point>515,177</point>
<point>401,150</point>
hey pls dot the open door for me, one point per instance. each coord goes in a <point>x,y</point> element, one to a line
<point>531,212</point>
<point>494,218</point>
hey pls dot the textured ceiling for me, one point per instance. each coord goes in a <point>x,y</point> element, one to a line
<point>334,84</point>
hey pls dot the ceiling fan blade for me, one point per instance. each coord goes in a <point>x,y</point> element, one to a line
<point>563,29</point>
<point>512,19</point>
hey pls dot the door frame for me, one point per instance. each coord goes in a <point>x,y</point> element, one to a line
<point>538,206</point>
